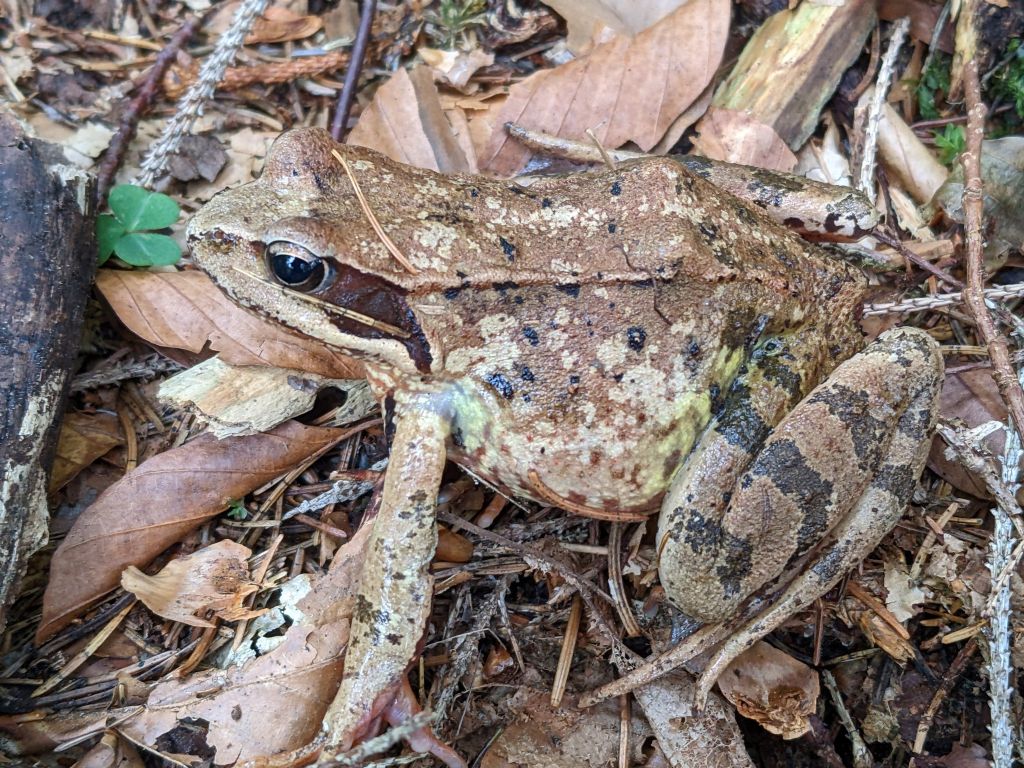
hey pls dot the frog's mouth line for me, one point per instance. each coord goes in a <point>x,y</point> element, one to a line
<point>348,314</point>
<point>350,321</point>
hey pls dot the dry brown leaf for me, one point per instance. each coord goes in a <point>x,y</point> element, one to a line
<point>588,20</point>
<point>452,547</point>
<point>772,688</point>
<point>902,592</point>
<point>155,505</point>
<point>973,398</point>
<point>84,437</point>
<point>111,751</point>
<point>273,703</point>
<point>185,310</point>
<point>624,90</point>
<point>279,25</point>
<point>908,161</point>
<point>736,137</point>
<point>214,578</point>
<point>405,122</point>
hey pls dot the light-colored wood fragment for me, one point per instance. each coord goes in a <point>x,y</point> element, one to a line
<point>792,65</point>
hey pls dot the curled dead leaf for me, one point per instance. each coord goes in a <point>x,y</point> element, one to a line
<point>773,689</point>
<point>214,579</point>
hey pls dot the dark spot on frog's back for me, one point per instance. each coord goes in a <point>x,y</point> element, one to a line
<point>636,336</point>
<point>505,287</point>
<point>708,230</point>
<point>501,385</point>
<point>545,202</point>
<point>531,336</point>
<point>569,289</point>
<point>611,227</point>
<point>616,188</point>
<point>507,248</point>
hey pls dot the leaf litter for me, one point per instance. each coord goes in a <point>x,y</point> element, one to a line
<point>619,77</point>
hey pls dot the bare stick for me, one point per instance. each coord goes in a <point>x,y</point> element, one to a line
<point>974,293</point>
<point>866,182</point>
<point>355,67</point>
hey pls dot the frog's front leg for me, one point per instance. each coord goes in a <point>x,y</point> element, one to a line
<point>832,479</point>
<point>393,601</point>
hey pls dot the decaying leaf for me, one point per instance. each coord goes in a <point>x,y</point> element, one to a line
<point>902,592</point>
<point>455,68</point>
<point>405,122</point>
<point>185,310</point>
<point>905,157</point>
<point>628,89</point>
<point>972,397</point>
<point>563,737</point>
<point>84,437</point>
<point>155,505</point>
<point>278,25</point>
<point>214,579</point>
<point>736,137</point>
<point>772,688</point>
<point>272,703</point>
<point>1002,172</point>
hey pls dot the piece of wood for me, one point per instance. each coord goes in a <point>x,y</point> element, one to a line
<point>47,259</point>
<point>792,65</point>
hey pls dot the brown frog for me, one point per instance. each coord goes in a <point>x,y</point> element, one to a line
<point>615,344</point>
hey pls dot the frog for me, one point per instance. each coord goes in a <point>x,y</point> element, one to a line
<point>619,344</point>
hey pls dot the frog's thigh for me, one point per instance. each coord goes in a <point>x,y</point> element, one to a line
<point>842,464</point>
<point>395,587</point>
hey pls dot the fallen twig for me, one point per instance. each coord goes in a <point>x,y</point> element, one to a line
<point>339,124</point>
<point>974,293</point>
<point>114,154</point>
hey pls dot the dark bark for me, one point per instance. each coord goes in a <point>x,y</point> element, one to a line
<point>47,259</point>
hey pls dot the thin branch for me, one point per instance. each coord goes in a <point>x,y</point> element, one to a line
<point>866,180</point>
<point>114,155</point>
<point>355,67</point>
<point>974,294</point>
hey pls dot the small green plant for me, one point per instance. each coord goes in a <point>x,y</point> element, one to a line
<point>128,230</point>
<point>950,143</point>
<point>934,81</point>
<point>1009,83</point>
<point>237,510</point>
<point>453,18</point>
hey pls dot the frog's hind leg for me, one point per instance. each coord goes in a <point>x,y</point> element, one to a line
<point>900,374</point>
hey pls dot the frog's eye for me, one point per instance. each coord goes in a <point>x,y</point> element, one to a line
<point>297,268</point>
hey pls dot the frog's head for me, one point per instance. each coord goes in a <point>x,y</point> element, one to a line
<point>298,247</point>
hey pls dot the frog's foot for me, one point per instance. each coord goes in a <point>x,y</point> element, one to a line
<point>832,479</point>
<point>402,707</point>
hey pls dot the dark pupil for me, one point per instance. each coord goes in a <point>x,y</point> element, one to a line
<point>293,270</point>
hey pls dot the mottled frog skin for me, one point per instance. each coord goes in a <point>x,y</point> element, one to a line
<point>614,343</point>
